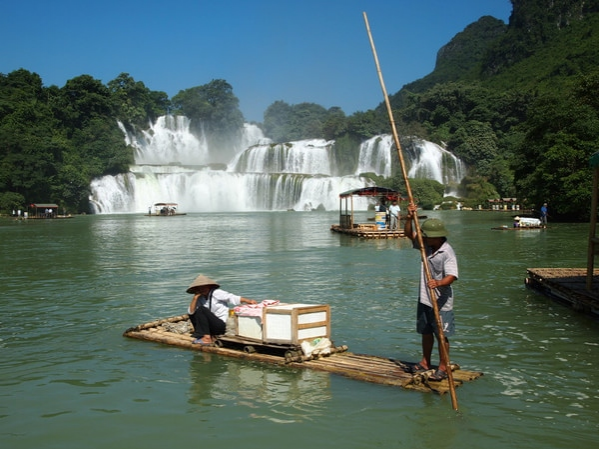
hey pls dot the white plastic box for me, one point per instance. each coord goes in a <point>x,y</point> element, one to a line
<point>287,324</point>
<point>525,222</point>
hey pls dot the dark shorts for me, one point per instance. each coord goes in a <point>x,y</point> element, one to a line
<point>427,324</point>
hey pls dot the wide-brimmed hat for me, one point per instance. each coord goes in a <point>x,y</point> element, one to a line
<point>433,227</point>
<point>200,281</point>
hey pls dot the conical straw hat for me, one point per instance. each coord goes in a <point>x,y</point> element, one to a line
<point>200,281</point>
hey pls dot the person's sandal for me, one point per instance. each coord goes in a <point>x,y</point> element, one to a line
<point>438,376</point>
<point>417,368</point>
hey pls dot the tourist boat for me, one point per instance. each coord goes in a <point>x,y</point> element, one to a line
<point>164,210</point>
<point>296,336</point>
<point>380,228</point>
<point>41,211</point>
<point>522,224</point>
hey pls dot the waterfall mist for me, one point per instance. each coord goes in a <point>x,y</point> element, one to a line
<point>252,174</point>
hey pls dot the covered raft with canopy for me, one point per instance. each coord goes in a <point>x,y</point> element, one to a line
<point>348,224</point>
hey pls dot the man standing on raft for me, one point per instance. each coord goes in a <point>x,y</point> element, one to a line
<point>444,271</point>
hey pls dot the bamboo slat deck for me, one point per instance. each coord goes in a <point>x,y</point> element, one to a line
<point>567,285</point>
<point>519,228</point>
<point>362,367</point>
<point>369,232</point>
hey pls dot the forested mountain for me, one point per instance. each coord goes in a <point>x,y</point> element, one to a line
<point>517,102</point>
<point>519,107</point>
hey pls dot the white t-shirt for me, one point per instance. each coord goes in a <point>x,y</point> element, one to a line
<point>220,303</point>
<point>394,209</point>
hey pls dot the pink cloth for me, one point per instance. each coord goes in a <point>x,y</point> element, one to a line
<point>254,309</point>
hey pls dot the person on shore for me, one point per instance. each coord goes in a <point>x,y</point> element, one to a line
<point>443,268</point>
<point>209,309</point>
<point>544,213</point>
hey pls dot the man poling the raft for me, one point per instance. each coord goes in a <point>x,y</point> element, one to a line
<point>444,351</point>
<point>443,266</point>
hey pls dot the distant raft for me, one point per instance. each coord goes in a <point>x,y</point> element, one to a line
<point>522,224</point>
<point>164,210</point>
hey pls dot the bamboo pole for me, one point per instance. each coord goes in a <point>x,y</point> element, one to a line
<point>592,231</point>
<point>432,294</point>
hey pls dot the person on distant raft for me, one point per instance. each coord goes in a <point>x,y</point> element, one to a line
<point>209,309</point>
<point>544,213</point>
<point>443,267</point>
<point>394,211</point>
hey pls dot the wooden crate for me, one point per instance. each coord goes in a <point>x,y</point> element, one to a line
<point>287,324</point>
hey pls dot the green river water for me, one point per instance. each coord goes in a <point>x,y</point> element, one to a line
<point>69,379</point>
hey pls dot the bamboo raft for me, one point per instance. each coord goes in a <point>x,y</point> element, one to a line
<point>519,228</point>
<point>566,285</point>
<point>381,370</point>
<point>369,231</point>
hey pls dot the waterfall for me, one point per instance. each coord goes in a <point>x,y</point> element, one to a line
<point>375,155</point>
<point>430,161</point>
<point>253,174</point>
<point>168,141</point>
<point>305,156</point>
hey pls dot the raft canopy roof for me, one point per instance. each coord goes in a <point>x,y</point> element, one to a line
<point>389,194</point>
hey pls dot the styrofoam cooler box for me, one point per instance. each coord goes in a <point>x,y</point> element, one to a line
<point>287,323</point>
<point>524,222</point>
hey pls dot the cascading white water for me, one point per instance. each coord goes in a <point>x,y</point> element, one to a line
<point>305,157</point>
<point>173,165</point>
<point>375,156</point>
<point>430,161</point>
<point>168,141</point>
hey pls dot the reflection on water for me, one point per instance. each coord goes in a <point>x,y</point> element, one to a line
<point>276,394</point>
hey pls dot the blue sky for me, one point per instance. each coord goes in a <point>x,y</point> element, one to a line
<point>297,51</point>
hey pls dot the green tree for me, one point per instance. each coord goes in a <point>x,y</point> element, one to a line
<point>212,105</point>
<point>476,144</point>
<point>134,103</point>
<point>277,121</point>
<point>334,124</point>
<point>365,125</point>
<point>553,161</point>
<point>427,192</point>
<point>285,123</point>
<point>27,156</point>
<point>10,201</point>
<point>82,99</point>
<point>71,188</point>
<point>476,191</point>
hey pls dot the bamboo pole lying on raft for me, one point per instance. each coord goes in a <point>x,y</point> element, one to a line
<point>157,323</point>
<point>432,294</point>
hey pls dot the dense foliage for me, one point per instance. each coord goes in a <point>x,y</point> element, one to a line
<point>521,113</point>
<point>54,141</point>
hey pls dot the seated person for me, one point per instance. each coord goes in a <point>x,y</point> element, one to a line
<point>209,309</point>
